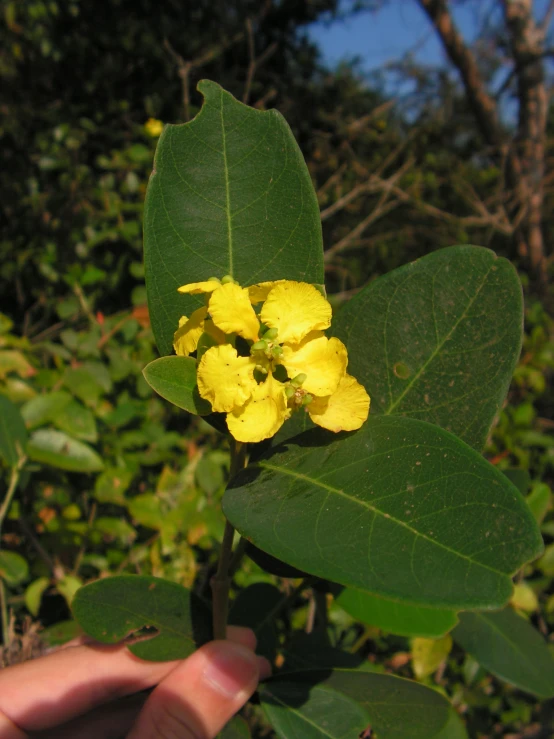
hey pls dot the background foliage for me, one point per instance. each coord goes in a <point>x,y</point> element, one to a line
<point>141,493</point>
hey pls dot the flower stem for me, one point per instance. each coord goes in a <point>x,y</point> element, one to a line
<point>12,487</point>
<point>221,581</point>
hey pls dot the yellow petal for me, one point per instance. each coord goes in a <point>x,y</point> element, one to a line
<point>225,379</point>
<point>344,410</point>
<point>295,309</point>
<point>232,312</point>
<point>195,288</point>
<point>322,360</point>
<point>263,415</point>
<point>190,330</point>
<point>258,293</point>
<point>216,333</point>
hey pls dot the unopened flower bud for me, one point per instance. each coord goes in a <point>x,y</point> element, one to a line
<point>307,399</point>
<point>289,391</point>
<point>270,334</point>
<point>259,346</point>
<point>277,351</point>
<point>299,379</point>
<point>213,279</point>
<point>227,279</point>
<point>261,369</point>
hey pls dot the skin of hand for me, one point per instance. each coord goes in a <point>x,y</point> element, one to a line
<point>91,691</point>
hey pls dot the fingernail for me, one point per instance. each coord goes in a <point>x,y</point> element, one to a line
<point>231,668</point>
<point>264,667</point>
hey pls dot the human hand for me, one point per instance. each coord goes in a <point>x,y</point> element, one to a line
<point>93,692</point>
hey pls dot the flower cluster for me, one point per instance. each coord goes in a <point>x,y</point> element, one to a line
<point>262,355</point>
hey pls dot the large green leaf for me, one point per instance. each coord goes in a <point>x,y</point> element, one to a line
<point>401,508</point>
<point>315,704</point>
<point>256,607</point>
<point>60,450</point>
<point>394,617</point>
<point>230,194</point>
<point>174,378</point>
<point>236,729</point>
<point>110,610</point>
<point>438,339</point>
<point>13,434</point>
<point>509,647</point>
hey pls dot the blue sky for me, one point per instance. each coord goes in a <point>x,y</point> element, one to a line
<point>401,26</point>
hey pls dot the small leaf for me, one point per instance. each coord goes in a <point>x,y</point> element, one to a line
<point>394,617</point>
<point>230,194</point>
<point>68,586</point>
<point>174,378</point>
<point>61,633</point>
<point>13,434</point>
<point>429,654</point>
<point>438,339</point>
<point>110,485</point>
<point>316,704</point>
<point>509,647</point>
<point>77,421</point>
<point>33,594</point>
<point>111,609</point>
<point>60,450</point>
<point>13,567</point>
<point>401,508</point>
<point>42,408</point>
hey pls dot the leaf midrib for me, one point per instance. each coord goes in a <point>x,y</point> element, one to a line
<point>436,351</point>
<point>388,517</point>
<point>227,187</point>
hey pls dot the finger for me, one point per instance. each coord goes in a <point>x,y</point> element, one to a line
<point>201,695</point>
<point>70,682</point>
<point>242,635</point>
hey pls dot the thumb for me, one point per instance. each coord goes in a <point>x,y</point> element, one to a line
<point>201,695</point>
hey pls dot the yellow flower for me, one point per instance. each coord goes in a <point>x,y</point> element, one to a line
<point>185,339</point>
<point>153,127</point>
<point>291,364</point>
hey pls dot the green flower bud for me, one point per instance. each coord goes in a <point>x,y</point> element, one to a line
<point>307,399</point>
<point>270,334</point>
<point>261,369</point>
<point>213,279</point>
<point>277,351</point>
<point>299,379</point>
<point>259,346</point>
<point>289,391</point>
<point>227,279</point>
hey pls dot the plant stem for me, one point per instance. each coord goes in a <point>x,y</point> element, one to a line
<point>221,581</point>
<point>12,487</point>
<point>220,584</point>
<point>4,610</point>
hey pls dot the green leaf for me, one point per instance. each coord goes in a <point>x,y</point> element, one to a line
<point>13,567</point>
<point>315,704</point>
<point>538,501</point>
<point>13,434</point>
<point>255,607</point>
<point>42,408</point>
<point>111,609</point>
<point>77,421</point>
<point>174,378</point>
<point>401,509</point>
<point>110,485</point>
<point>230,194</point>
<point>61,633</point>
<point>520,478</point>
<point>236,729</point>
<point>68,586</point>
<point>453,729</point>
<point>60,450</point>
<point>438,339</point>
<point>394,617</point>
<point>509,647</point>
<point>33,594</point>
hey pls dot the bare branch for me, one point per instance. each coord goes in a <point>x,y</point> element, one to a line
<point>482,104</point>
<point>254,63</point>
<point>547,20</point>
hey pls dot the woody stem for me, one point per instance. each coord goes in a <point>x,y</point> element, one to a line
<point>221,581</point>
